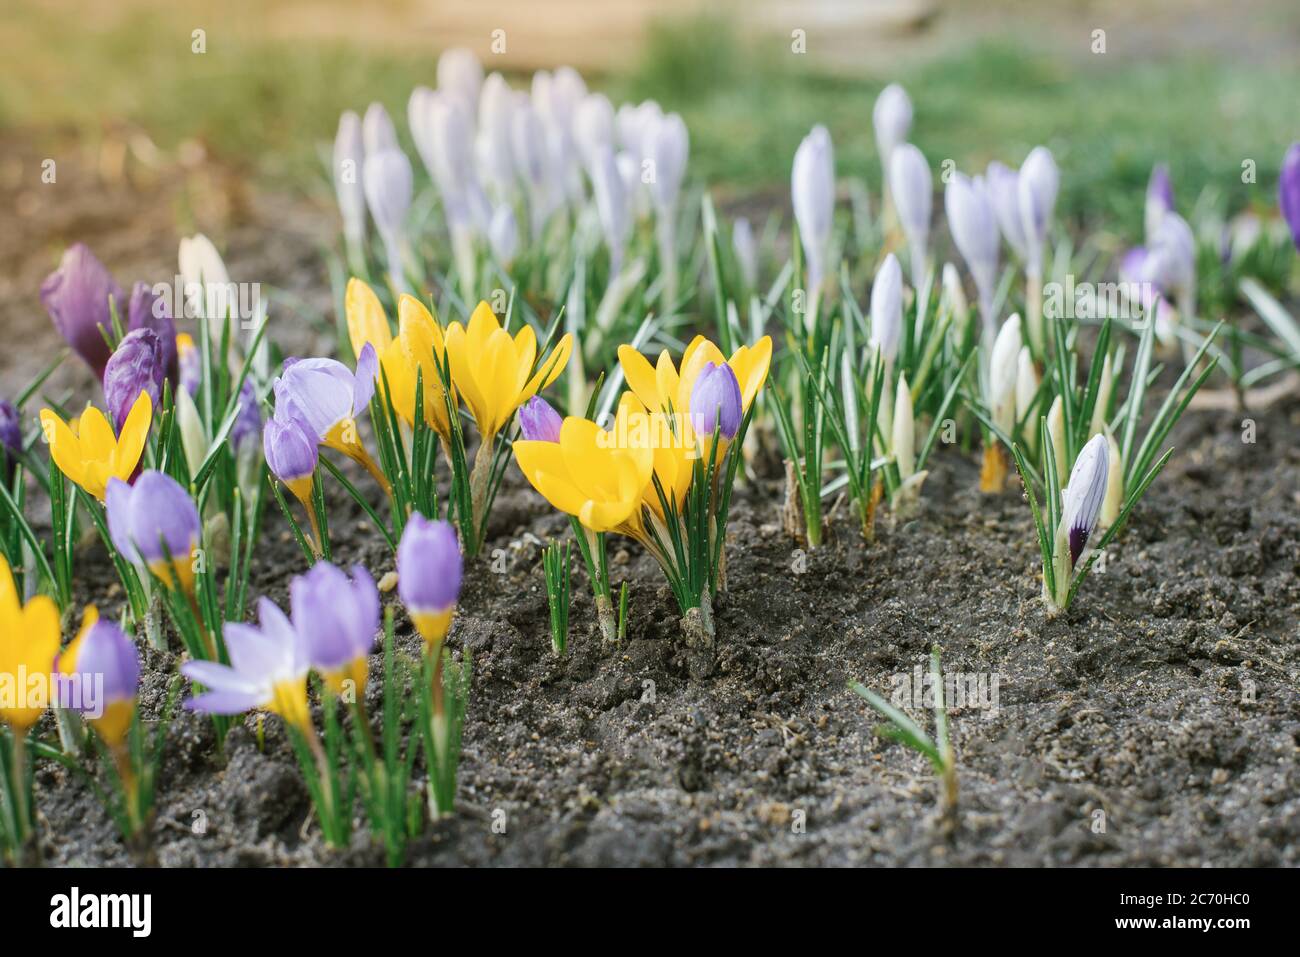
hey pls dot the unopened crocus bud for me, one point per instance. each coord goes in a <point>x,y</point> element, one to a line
<point>154,524</point>
<point>903,432</point>
<point>593,127</point>
<point>1056,434</point>
<point>668,144</point>
<point>1039,183</point>
<point>611,204</point>
<point>388,182</point>
<point>377,130</point>
<point>1170,262</point>
<point>207,283</point>
<point>1084,495</point>
<point>1004,191</point>
<point>493,145</point>
<point>1159,199</point>
<point>145,310</point>
<point>812,191</point>
<point>1027,383</point>
<point>892,119</point>
<point>11,432</point>
<point>429,569</point>
<point>746,250</point>
<point>99,675</point>
<point>189,363</point>
<point>76,295</point>
<point>135,366</point>
<point>194,438</point>
<point>1105,387</point>
<point>291,454</point>
<point>715,402</point>
<point>954,296</point>
<point>1114,500</point>
<point>538,421</point>
<point>887,308</point>
<point>975,230</point>
<point>461,74</point>
<point>349,158</point>
<point>338,619</point>
<point>503,234</point>
<point>1288,191</point>
<point>1004,365</point>
<point>911,187</point>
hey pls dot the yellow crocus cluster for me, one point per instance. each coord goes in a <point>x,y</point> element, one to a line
<point>92,455</point>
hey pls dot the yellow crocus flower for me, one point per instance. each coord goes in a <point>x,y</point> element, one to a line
<point>29,642</point>
<point>673,444</point>
<point>492,370</point>
<point>92,455</point>
<point>661,386</point>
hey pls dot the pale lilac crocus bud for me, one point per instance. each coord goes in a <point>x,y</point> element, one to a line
<point>494,143</point>
<point>887,308</point>
<point>611,205</point>
<point>668,144</point>
<point>1159,198</point>
<point>76,295</point>
<point>148,311</point>
<point>531,158</point>
<point>912,189</point>
<point>1288,191</point>
<point>154,524</point>
<point>1004,191</point>
<point>503,234</point>
<point>377,130</point>
<point>538,421</point>
<point>1039,183</point>
<point>136,365</point>
<point>746,250</point>
<point>593,127</point>
<point>1003,368</point>
<point>461,74</point>
<point>1170,263</point>
<point>716,404</point>
<point>349,158</point>
<point>292,453</point>
<point>207,283</point>
<point>892,119</point>
<point>105,659</point>
<point>429,570</point>
<point>338,619</point>
<point>388,183</point>
<point>1084,494</point>
<point>812,191</point>
<point>974,228</point>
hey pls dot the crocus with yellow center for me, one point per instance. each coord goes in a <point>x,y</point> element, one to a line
<point>92,455</point>
<point>106,665</point>
<point>155,524</point>
<point>429,571</point>
<point>414,352</point>
<point>29,642</point>
<point>338,619</point>
<point>661,387</point>
<point>494,371</point>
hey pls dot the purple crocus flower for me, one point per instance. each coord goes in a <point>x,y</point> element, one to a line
<point>1160,198</point>
<point>136,365</point>
<point>11,431</point>
<point>291,452</point>
<point>99,675</point>
<point>974,228</point>
<point>538,421</point>
<point>76,295</point>
<point>148,311</point>
<point>429,569</point>
<point>338,619</point>
<point>268,669</point>
<point>715,401</point>
<point>325,393</point>
<point>1085,494</point>
<point>155,524</point>
<point>247,427</point>
<point>1288,191</point>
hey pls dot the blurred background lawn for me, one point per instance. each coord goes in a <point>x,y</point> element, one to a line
<point>1203,86</point>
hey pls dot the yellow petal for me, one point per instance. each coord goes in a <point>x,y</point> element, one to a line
<point>525,353</point>
<point>97,439</point>
<point>9,603</point>
<point>464,361</point>
<point>366,320</point>
<point>751,364</point>
<point>65,447</point>
<point>543,465</point>
<point>667,379</point>
<point>550,369</point>
<point>130,444</point>
<point>482,323</point>
<point>498,378</point>
<point>640,376</point>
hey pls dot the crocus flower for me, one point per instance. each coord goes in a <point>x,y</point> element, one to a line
<point>388,183</point>
<point>247,427</point>
<point>1039,183</point>
<point>1001,401</point>
<point>291,455</point>
<point>593,127</point>
<point>92,456</point>
<point>1159,198</point>
<point>503,234</point>
<point>377,130</point>
<point>102,656</point>
<point>76,295</point>
<point>29,641</point>
<point>892,119</point>
<point>812,191</point>
<point>349,158</point>
<point>154,524</point>
<point>460,73</point>
<point>429,569</point>
<point>494,147</point>
<point>495,372</point>
<point>887,308</point>
<point>189,363</point>
<point>11,432</point>
<point>417,348</point>
<point>148,311</point>
<point>660,388</point>
<point>1288,191</point>
<point>612,204</point>
<point>1084,494</point>
<point>910,185</point>
<point>1004,191</point>
<point>208,290</point>
<point>715,402</point>
<point>268,669</point>
<point>136,366</point>
<point>328,398</point>
<point>746,250</point>
<point>538,421</point>
<point>1170,262</point>
<point>667,142</point>
<point>1027,383</point>
<point>975,230</point>
<point>338,619</point>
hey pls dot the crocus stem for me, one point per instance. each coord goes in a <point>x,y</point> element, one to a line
<point>362,458</point>
<point>323,769</point>
<point>130,787</point>
<point>209,645</point>
<point>20,785</point>
<point>317,543</point>
<point>664,232</point>
<point>478,486</point>
<point>598,572</point>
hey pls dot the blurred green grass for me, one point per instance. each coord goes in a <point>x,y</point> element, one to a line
<point>272,103</point>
